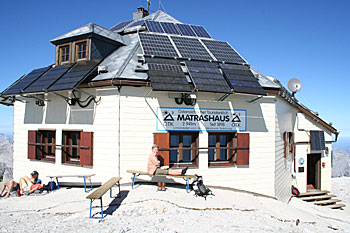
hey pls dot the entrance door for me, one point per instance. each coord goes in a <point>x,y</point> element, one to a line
<point>314,170</point>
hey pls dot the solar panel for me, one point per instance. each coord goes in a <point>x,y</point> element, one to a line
<point>207,77</point>
<point>137,23</point>
<point>170,28</point>
<point>159,45</point>
<point>185,29</point>
<point>191,48</point>
<point>74,76</point>
<point>154,26</point>
<point>49,78</point>
<point>167,75</point>
<point>242,79</point>
<point>120,25</point>
<point>200,31</point>
<point>21,84</point>
<point>223,51</point>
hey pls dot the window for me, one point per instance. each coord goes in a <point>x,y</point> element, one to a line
<point>42,145</point>
<point>64,54</point>
<point>183,149</point>
<point>77,148</point>
<point>71,147</point>
<point>221,148</point>
<point>81,50</point>
<point>288,138</point>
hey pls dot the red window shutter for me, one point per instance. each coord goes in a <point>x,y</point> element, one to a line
<point>86,154</point>
<point>31,147</point>
<point>292,147</point>
<point>163,141</point>
<point>243,149</point>
<point>285,143</point>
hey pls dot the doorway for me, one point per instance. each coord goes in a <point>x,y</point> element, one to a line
<point>314,171</point>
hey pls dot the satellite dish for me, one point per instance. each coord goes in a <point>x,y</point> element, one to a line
<point>294,85</point>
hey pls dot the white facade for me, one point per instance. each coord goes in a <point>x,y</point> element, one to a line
<point>124,124</point>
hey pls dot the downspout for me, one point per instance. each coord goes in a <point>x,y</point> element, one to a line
<point>119,90</point>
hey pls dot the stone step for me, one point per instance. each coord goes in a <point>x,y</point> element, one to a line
<point>336,206</point>
<point>313,193</point>
<point>315,198</point>
<point>326,202</point>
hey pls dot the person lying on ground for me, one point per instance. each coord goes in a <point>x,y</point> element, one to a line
<point>26,184</point>
<point>153,168</point>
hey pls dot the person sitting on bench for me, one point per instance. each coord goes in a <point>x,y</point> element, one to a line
<point>154,169</point>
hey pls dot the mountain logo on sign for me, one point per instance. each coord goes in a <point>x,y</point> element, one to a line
<point>236,118</point>
<point>168,117</point>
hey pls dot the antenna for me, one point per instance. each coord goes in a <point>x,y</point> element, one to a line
<point>148,5</point>
<point>294,85</point>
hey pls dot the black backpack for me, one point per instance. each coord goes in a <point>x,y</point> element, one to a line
<point>295,191</point>
<point>201,190</point>
<point>47,187</point>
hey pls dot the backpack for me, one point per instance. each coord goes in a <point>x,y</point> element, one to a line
<point>295,191</point>
<point>202,190</point>
<point>47,187</point>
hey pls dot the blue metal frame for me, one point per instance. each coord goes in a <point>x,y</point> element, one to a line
<point>186,179</point>
<point>110,194</point>
<point>91,188</point>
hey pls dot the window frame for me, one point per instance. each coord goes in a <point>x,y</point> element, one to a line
<point>76,50</point>
<point>231,147</point>
<point>42,145</point>
<point>194,149</point>
<point>67,146</point>
<point>59,53</point>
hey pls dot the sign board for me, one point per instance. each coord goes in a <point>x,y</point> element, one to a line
<point>201,119</point>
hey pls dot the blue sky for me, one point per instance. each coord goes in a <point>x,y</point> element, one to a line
<point>308,40</point>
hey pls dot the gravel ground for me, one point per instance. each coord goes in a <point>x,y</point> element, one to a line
<point>146,210</point>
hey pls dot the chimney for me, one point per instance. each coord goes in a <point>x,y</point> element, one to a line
<point>140,13</point>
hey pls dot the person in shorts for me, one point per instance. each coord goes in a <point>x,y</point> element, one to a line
<point>153,168</point>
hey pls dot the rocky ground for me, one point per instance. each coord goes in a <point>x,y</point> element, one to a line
<point>146,210</point>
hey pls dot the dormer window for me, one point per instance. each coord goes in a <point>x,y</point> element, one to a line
<point>81,50</point>
<point>64,53</point>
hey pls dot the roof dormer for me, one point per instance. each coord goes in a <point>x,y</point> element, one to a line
<point>89,42</point>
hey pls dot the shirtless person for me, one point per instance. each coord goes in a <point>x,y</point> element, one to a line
<point>153,168</point>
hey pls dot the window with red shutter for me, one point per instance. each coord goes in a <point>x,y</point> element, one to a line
<point>31,144</point>
<point>86,148</point>
<point>242,149</point>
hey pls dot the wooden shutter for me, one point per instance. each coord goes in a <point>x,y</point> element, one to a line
<point>86,154</point>
<point>292,146</point>
<point>163,141</point>
<point>31,147</point>
<point>243,149</point>
<point>285,144</point>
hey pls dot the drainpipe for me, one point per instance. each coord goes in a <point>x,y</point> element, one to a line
<point>119,89</point>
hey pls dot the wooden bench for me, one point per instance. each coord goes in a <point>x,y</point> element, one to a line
<point>187,178</point>
<point>98,193</point>
<point>85,177</point>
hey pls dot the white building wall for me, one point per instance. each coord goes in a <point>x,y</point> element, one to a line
<point>302,127</point>
<point>138,123</point>
<point>102,119</point>
<point>285,121</point>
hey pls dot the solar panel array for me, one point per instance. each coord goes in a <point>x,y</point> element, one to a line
<point>191,48</point>
<point>186,29</point>
<point>167,75</point>
<point>120,25</point>
<point>74,76</point>
<point>23,83</point>
<point>223,51</point>
<point>154,26</point>
<point>207,77</point>
<point>170,28</point>
<point>200,31</point>
<point>49,78</point>
<point>159,45</point>
<point>242,79</point>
